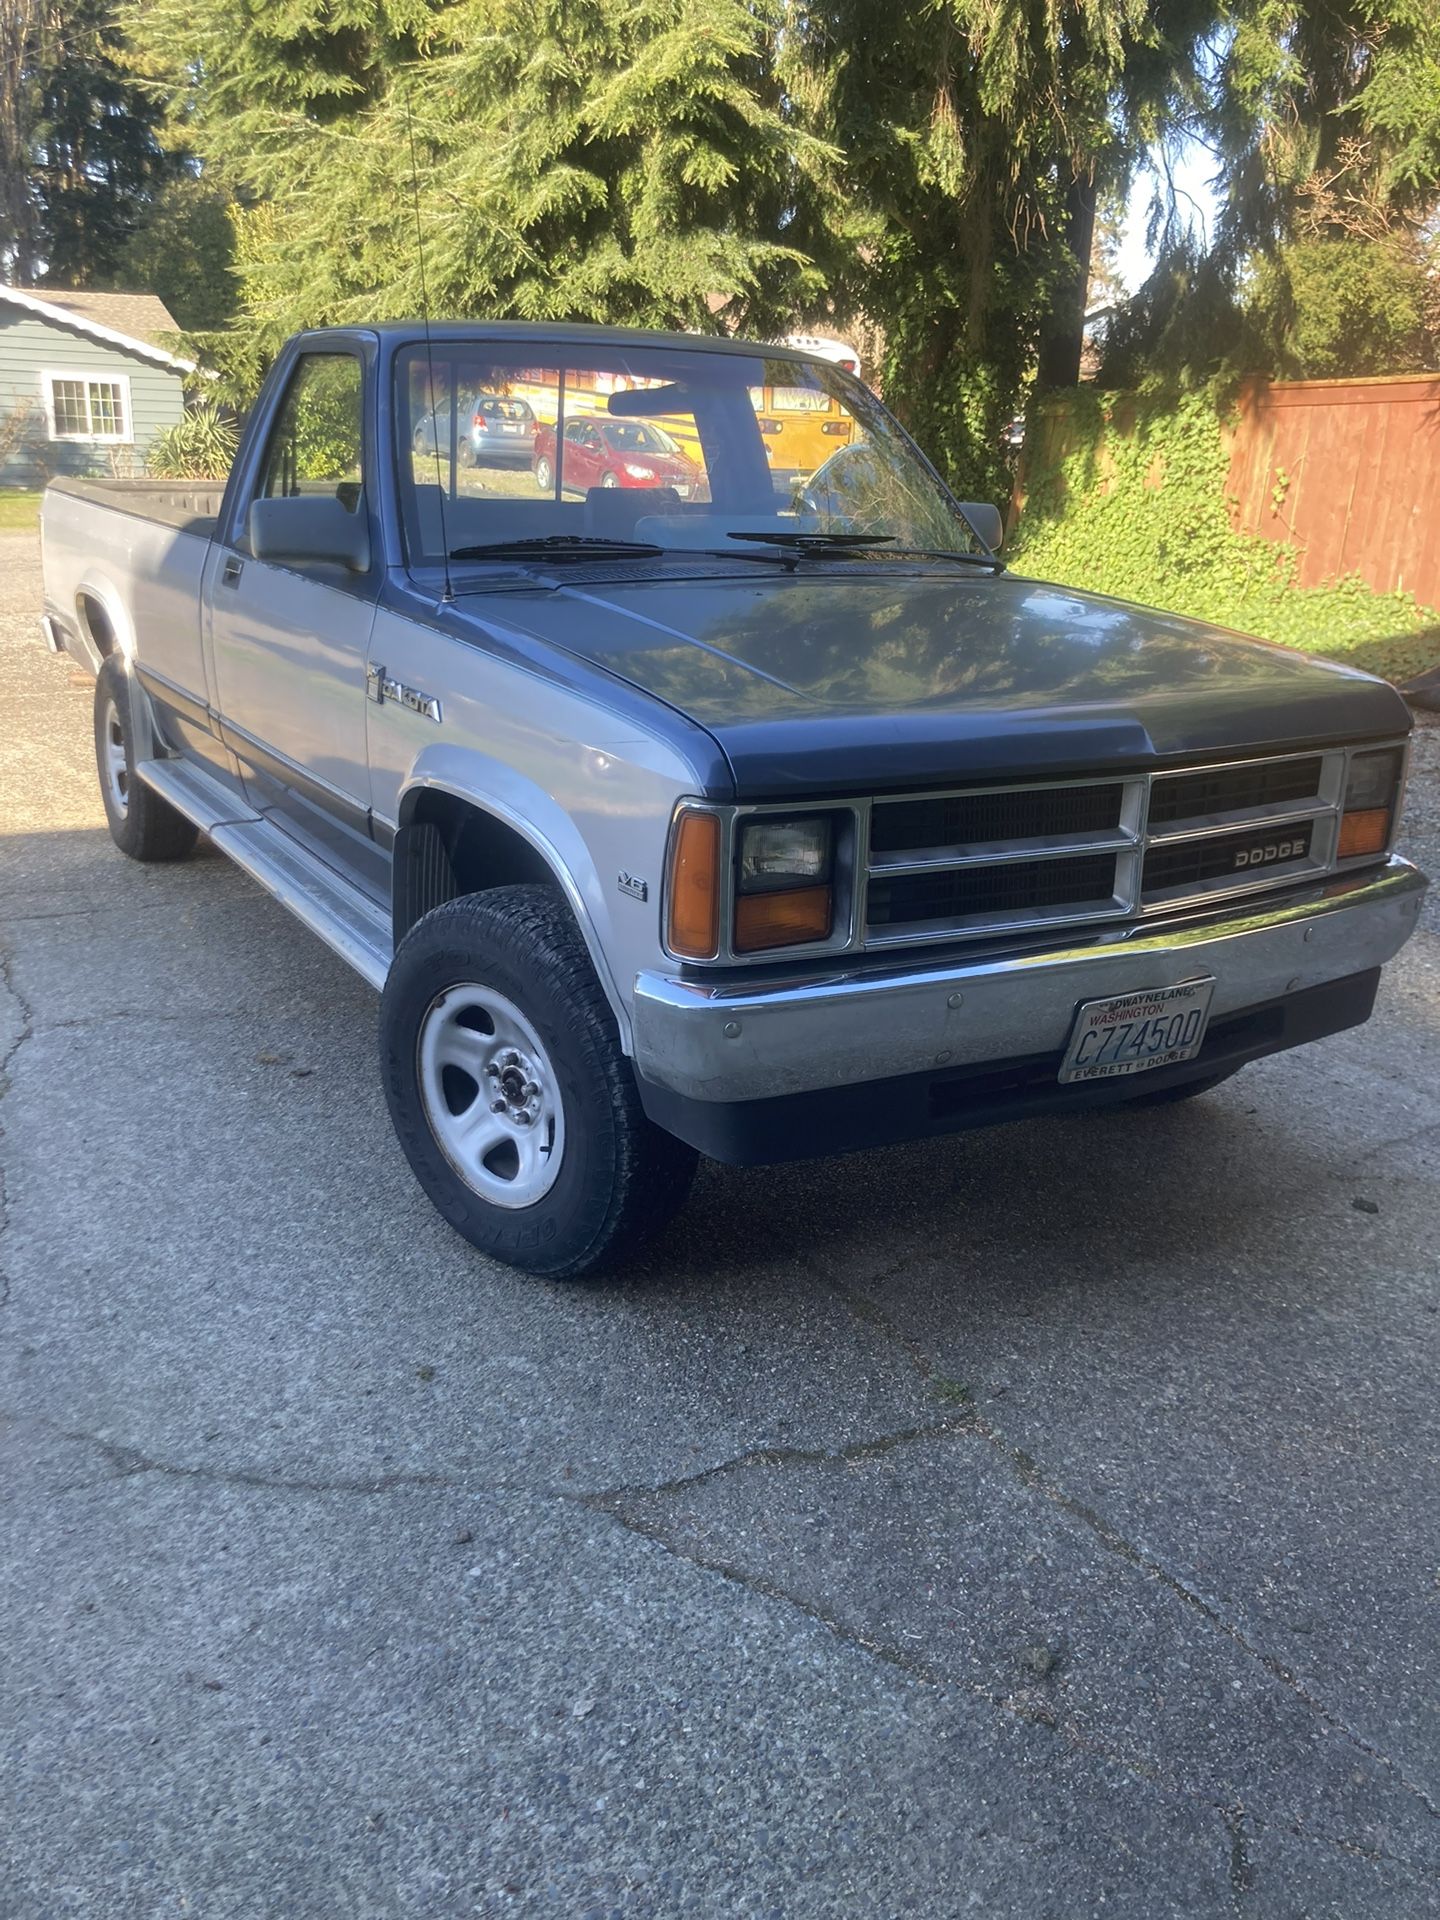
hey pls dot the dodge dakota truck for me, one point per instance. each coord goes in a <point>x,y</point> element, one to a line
<point>764,818</point>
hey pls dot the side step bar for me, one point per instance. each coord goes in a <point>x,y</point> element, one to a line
<point>344,918</point>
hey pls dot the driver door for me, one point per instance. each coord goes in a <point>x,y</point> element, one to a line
<point>289,641</point>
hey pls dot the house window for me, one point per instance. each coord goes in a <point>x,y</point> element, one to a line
<point>87,406</point>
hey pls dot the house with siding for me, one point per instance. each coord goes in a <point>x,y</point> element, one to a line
<point>85,384</point>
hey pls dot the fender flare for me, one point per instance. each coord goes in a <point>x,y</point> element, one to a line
<point>537,818</point>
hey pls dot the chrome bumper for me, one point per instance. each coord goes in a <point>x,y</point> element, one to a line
<point>739,1041</point>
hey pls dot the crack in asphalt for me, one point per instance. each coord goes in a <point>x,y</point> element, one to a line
<point>854,1450</point>
<point>27,1028</point>
<point>1038,1713</point>
<point>197,1016</point>
<point>129,1463</point>
<point>610,1503</point>
<point>1116,1543</point>
<point>1385,1146</point>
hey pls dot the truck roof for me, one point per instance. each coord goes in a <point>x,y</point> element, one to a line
<point>396,333</point>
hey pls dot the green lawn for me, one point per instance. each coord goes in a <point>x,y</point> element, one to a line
<point>19,512</point>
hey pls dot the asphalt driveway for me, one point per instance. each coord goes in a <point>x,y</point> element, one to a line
<point>1038,1524</point>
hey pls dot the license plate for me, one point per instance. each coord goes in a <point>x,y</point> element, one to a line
<point>1133,1032</point>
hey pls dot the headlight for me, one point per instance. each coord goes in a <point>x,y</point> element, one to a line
<point>1369,807</point>
<point>785,853</point>
<point>639,473</point>
<point>784,896</point>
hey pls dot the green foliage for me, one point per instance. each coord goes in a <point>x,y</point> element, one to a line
<point>1325,126</point>
<point>1126,496</point>
<point>1347,305</point>
<point>967,128</point>
<point>610,160</point>
<point>80,147</point>
<point>201,446</point>
<point>184,250</point>
<point>323,419</point>
<point>1340,101</point>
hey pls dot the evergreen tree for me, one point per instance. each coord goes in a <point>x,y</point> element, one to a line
<point>612,160</point>
<point>81,150</point>
<point>979,133</point>
<point>1325,124</point>
<point>184,250</point>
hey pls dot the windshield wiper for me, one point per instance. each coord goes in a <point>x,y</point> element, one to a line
<point>559,546</point>
<point>793,545</point>
<point>990,560</point>
<point>819,542</point>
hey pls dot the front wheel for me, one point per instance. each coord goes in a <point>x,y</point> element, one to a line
<point>544,475</point>
<point>512,1099</point>
<point>140,822</point>
<point>608,479</point>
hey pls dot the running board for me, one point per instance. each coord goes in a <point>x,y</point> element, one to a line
<point>345,919</point>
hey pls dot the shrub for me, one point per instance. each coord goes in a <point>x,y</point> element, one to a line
<point>201,446</point>
<point>1126,496</point>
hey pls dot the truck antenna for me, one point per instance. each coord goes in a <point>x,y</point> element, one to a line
<point>449,592</point>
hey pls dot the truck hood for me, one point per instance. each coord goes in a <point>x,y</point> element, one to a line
<point>823,682</point>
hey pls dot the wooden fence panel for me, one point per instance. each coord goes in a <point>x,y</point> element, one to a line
<point>1348,471</point>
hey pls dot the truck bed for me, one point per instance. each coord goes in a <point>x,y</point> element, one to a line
<point>123,562</point>
<point>190,506</point>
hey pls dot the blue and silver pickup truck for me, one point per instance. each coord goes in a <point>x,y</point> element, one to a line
<point>645,720</point>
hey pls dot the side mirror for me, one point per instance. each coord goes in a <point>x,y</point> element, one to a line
<point>985,522</point>
<point>305,527</point>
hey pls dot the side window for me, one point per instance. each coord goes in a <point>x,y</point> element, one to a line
<point>315,443</point>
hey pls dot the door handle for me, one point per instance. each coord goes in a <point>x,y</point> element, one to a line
<point>231,571</point>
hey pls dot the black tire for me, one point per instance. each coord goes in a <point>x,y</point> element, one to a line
<point>1187,1090</point>
<point>620,1178</point>
<point>609,479</point>
<point>141,823</point>
<point>544,474</point>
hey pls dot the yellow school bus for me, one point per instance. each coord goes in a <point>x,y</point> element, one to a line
<point>801,426</point>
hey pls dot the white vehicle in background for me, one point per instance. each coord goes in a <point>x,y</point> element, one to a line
<point>838,352</point>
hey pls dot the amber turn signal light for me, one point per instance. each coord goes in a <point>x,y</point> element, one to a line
<point>788,919</point>
<point>1364,832</point>
<point>694,892</point>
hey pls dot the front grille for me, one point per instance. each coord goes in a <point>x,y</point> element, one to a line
<point>1246,856</point>
<point>979,819</point>
<point>951,894</point>
<point>1248,789</point>
<point>985,860</point>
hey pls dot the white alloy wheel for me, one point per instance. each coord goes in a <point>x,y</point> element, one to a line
<point>491,1095</point>
<point>544,474</point>
<point>113,770</point>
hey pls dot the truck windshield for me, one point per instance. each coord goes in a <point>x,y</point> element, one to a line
<point>671,448</point>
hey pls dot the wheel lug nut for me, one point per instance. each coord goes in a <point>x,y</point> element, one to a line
<point>497,1106</point>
